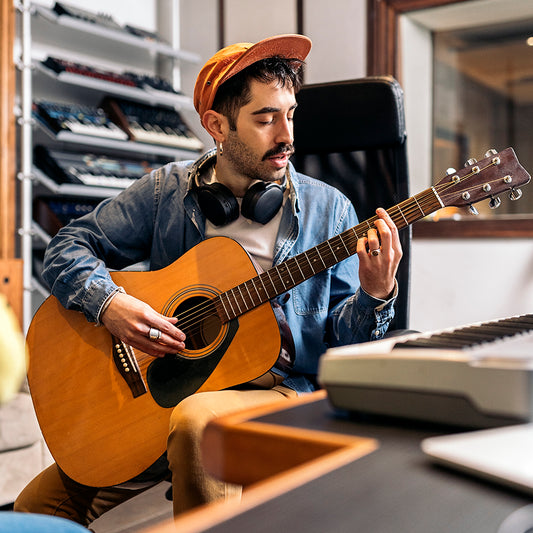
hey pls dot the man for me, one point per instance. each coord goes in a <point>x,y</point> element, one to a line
<point>246,189</point>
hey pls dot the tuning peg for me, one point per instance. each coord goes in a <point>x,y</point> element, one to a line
<point>515,194</point>
<point>495,202</point>
<point>450,171</point>
<point>472,209</point>
<point>470,162</point>
<point>490,152</point>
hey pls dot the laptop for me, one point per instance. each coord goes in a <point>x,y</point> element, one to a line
<point>503,455</point>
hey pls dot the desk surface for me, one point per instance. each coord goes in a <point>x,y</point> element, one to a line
<point>394,488</point>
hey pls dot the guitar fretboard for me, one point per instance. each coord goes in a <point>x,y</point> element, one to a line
<point>494,174</point>
<point>293,271</point>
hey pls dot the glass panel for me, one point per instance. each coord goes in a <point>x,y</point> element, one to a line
<point>483,98</point>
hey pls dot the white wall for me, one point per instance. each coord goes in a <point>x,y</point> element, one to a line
<point>461,281</point>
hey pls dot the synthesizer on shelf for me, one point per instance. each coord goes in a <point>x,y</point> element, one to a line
<point>129,79</point>
<point>101,19</point>
<point>104,20</point>
<point>151,124</point>
<point>91,169</point>
<point>75,118</point>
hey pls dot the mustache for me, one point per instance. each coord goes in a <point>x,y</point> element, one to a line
<point>281,148</point>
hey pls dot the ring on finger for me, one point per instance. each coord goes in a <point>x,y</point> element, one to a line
<point>375,252</point>
<point>154,334</point>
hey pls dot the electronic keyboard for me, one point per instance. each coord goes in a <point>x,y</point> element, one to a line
<point>104,20</point>
<point>75,118</point>
<point>127,78</point>
<point>101,19</point>
<point>151,124</point>
<point>480,375</point>
<point>92,169</point>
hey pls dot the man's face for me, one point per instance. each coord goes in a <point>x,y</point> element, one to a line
<point>261,144</point>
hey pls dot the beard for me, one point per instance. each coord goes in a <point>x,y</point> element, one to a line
<point>246,162</point>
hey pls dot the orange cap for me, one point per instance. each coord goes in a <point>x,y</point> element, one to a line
<point>236,57</point>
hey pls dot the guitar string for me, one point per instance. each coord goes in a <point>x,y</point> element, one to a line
<point>196,315</point>
<point>208,307</point>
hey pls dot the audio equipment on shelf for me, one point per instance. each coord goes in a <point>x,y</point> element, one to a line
<point>144,34</point>
<point>105,20</point>
<point>102,19</point>
<point>54,212</point>
<point>76,118</point>
<point>151,124</point>
<point>142,81</point>
<point>91,169</point>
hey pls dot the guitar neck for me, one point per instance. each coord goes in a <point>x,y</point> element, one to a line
<point>297,269</point>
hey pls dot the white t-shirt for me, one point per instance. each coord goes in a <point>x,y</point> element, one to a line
<point>256,238</point>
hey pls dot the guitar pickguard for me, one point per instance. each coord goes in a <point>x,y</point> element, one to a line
<point>173,378</point>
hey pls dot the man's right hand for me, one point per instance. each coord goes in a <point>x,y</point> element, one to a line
<point>130,320</point>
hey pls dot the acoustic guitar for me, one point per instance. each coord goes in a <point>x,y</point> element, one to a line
<point>104,408</point>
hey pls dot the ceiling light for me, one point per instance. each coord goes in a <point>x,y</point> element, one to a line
<point>530,41</point>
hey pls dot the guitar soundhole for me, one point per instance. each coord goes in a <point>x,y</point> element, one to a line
<point>198,319</point>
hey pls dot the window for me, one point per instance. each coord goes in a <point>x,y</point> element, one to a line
<point>483,98</point>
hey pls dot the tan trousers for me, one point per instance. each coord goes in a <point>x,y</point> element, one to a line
<point>52,492</point>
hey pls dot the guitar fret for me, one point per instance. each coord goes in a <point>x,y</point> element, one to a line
<point>249,294</point>
<point>263,284</point>
<point>279,272</point>
<point>255,288</point>
<point>420,209</point>
<point>224,305</point>
<point>320,256</point>
<point>299,268</point>
<point>288,270</point>
<point>334,256</point>
<point>306,255</point>
<point>271,280</point>
<point>243,300</point>
<point>437,196</point>
<point>401,213</point>
<point>235,299</point>
<point>345,247</point>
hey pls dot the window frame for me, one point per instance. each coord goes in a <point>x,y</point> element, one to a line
<point>383,57</point>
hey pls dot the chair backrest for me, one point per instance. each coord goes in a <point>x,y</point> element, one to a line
<point>352,135</point>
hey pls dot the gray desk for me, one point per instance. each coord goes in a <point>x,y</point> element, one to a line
<point>393,489</point>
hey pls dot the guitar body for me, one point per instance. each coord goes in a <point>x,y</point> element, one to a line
<point>98,430</point>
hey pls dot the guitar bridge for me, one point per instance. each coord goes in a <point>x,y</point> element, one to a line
<point>128,367</point>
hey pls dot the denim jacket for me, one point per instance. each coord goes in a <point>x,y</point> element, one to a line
<point>157,219</point>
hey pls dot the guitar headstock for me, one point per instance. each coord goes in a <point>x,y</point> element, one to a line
<point>496,173</point>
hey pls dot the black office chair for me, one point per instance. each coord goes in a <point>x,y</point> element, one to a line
<point>351,134</point>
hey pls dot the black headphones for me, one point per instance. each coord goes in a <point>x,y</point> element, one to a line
<point>260,203</point>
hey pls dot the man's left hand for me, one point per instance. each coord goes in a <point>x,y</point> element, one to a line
<point>379,256</point>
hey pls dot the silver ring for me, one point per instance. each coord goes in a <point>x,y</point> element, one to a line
<point>375,252</point>
<point>154,334</point>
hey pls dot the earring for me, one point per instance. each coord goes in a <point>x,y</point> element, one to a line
<point>220,149</point>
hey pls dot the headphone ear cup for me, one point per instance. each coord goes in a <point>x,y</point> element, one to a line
<point>262,201</point>
<point>218,203</point>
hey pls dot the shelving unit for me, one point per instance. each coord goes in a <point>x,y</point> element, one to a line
<point>72,85</point>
